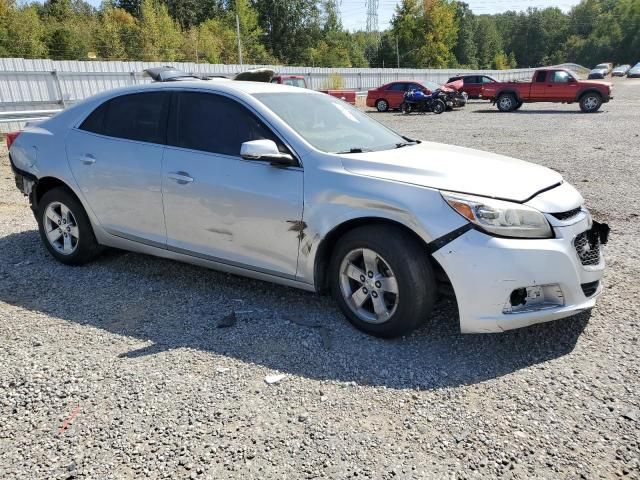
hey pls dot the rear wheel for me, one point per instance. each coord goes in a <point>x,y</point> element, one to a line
<point>506,102</point>
<point>382,280</point>
<point>382,105</point>
<point>591,102</point>
<point>518,105</point>
<point>438,107</point>
<point>65,228</point>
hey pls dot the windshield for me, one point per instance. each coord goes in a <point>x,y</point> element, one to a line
<point>431,85</point>
<point>602,66</point>
<point>329,124</point>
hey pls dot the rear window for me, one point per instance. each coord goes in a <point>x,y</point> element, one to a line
<point>139,116</point>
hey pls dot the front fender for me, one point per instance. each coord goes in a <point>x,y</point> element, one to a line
<point>421,210</point>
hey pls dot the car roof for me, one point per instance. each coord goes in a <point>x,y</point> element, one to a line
<point>221,85</point>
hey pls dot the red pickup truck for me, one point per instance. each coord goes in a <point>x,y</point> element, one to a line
<point>549,85</point>
<point>348,96</point>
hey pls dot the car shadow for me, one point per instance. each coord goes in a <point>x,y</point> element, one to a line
<point>538,112</point>
<point>169,305</point>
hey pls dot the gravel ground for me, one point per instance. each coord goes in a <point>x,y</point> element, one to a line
<point>118,370</point>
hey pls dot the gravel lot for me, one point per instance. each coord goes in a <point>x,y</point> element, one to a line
<point>126,353</point>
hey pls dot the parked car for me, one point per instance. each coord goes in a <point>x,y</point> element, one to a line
<point>299,188</point>
<point>634,72</point>
<point>598,73</point>
<point>348,96</point>
<point>391,95</point>
<point>606,66</point>
<point>620,70</point>
<point>473,83</point>
<point>549,85</point>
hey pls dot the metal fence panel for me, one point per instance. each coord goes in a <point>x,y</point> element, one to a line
<point>42,84</point>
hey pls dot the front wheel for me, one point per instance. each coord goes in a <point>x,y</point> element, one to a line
<point>382,280</point>
<point>590,103</point>
<point>65,228</point>
<point>438,107</point>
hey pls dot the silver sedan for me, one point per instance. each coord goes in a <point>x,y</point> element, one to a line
<point>297,187</point>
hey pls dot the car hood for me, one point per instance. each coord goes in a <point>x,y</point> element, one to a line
<point>457,169</point>
<point>595,83</point>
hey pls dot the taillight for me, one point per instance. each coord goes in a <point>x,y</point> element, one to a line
<point>11,137</point>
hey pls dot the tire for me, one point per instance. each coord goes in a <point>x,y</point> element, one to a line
<point>75,246</point>
<point>518,105</point>
<point>591,102</point>
<point>393,254</point>
<point>382,105</point>
<point>506,102</point>
<point>438,107</point>
<point>406,108</point>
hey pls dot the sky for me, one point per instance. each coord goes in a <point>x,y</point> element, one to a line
<point>354,12</point>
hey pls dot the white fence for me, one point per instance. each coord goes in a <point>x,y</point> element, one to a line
<point>33,88</point>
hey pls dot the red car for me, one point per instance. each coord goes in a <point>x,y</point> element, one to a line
<point>549,85</point>
<point>391,95</point>
<point>473,83</point>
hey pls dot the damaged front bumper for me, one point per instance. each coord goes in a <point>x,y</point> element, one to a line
<point>503,283</point>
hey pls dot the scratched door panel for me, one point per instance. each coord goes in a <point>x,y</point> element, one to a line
<point>236,211</point>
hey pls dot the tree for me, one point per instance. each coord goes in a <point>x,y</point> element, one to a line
<point>117,34</point>
<point>21,31</point>
<point>291,27</point>
<point>465,50</point>
<point>159,36</point>
<point>488,41</point>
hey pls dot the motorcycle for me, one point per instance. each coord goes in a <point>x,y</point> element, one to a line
<point>417,101</point>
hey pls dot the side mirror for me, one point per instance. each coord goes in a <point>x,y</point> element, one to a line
<point>266,151</point>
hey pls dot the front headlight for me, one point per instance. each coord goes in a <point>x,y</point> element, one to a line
<point>506,219</point>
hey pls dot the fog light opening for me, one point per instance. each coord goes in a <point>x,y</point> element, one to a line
<point>534,298</point>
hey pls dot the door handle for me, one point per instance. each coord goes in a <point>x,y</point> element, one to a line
<point>88,159</point>
<point>181,178</point>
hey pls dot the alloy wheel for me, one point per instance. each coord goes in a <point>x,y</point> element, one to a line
<point>505,103</point>
<point>369,286</point>
<point>61,228</point>
<point>590,103</point>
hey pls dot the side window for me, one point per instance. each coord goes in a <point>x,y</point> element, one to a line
<point>138,116</point>
<point>216,124</point>
<point>560,77</point>
<point>95,121</point>
<point>486,80</point>
<point>541,76</point>
<point>470,80</point>
<point>398,87</point>
<point>415,86</point>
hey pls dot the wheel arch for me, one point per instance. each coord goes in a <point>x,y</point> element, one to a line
<point>508,91</point>
<point>46,184</point>
<point>587,91</point>
<point>328,243</point>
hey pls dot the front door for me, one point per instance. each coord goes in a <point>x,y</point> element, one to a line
<point>395,94</point>
<point>115,156</point>
<point>217,205</point>
<point>560,87</point>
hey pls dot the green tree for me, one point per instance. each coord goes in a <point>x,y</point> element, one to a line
<point>465,50</point>
<point>21,31</point>
<point>488,41</point>
<point>159,37</point>
<point>117,34</point>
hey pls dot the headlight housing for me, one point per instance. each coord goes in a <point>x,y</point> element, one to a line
<point>498,217</point>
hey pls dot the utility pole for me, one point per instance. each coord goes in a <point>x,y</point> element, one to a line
<point>239,43</point>
<point>397,52</point>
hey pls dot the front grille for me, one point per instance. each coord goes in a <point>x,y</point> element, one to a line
<point>588,249</point>
<point>568,214</point>
<point>590,288</point>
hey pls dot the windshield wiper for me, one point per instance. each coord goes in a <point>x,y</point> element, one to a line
<point>404,144</point>
<point>355,150</point>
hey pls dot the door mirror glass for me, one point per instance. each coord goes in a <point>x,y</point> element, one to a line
<point>265,151</point>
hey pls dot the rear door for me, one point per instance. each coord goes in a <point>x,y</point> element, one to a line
<point>219,206</point>
<point>537,90</point>
<point>395,94</point>
<point>115,156</point>
<point>472,85</point>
